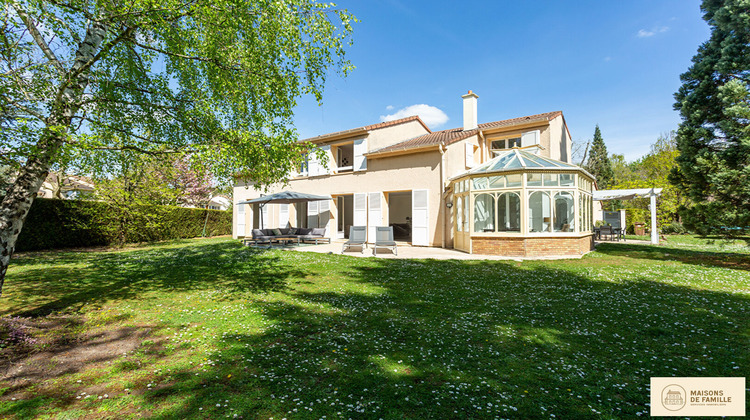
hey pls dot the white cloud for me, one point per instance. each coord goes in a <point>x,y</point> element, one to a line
<point>432,116</point>
<point>389,108</point>
<point>607,59</point>
<point>643,33</point>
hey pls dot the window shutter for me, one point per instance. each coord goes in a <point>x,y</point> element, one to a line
<point>360,209</point>
<point>419,218</point>
<point>530,138</point>
<point>312,214</point>
<point>322,169</point>
<point>360,161</point>
<point>313,166</point>
<point>375,215</point>
<point>469,155</point>
<point>283,215</point>
<point>324,214</point>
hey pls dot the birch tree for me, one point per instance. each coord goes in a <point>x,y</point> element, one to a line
<point>217,80</point>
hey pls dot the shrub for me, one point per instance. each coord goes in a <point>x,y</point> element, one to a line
<point>674,228</point>
<point>54,224</point>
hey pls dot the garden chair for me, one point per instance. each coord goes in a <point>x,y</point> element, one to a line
<point>357,237</point>
<point>384,239</point>
<point>606,230</point>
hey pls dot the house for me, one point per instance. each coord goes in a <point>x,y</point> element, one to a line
<point>66,187</point>
<point>506,187</point>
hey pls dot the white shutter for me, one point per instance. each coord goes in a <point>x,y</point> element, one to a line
<point>360,209</point>
<point>360,148</point>
<point>374,214</point>
<point>419,218</point>
<point>469,155</point>
<point>240,220</point>
<point>313,165</point>
<point>266,216</point>
<point>530,138</point>
<point>322,169</point>
<point>324,215</point>
<point>312,214</point>
<point>283,215</point>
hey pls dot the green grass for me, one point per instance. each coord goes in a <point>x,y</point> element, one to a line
<point>260,334</point>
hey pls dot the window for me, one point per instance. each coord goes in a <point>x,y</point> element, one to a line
<point>344,154</point>
<point>466,214</point>
<point>484,213</point>
<point>540,212</point>
<point>566,180</point>
<point>533,180</point>
<point>505,144</point>
<point>459,214</point>
<point>508,212</point>
<point>304,167</point>
<point>564,212</point>
<point>550,180</point>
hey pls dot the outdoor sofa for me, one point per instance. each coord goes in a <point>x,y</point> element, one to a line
<point>299,235</point>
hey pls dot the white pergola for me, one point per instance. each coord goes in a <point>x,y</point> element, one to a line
<point>605,195</point>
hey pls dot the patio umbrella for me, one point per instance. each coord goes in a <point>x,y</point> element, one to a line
<point>284,197</point>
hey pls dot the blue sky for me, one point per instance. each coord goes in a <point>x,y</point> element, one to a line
<point>616,64</point>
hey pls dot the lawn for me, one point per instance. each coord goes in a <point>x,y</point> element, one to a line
<point>210,329</point>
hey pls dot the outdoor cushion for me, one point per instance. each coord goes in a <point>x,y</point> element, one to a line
<point>257,233</point>
<point>277,232</point>
<point>303,231</point>
<point>318,232</point>
<point>287,231</point>
<point>268,232</point>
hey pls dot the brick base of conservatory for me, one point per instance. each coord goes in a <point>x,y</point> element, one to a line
<point>549,246</point>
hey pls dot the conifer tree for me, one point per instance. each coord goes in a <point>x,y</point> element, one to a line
<point>598,163</point>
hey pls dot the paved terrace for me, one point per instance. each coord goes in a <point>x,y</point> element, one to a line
<point>406,251</point>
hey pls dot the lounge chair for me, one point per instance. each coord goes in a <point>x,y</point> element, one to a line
<point>384,239</point>
<point>357,237</point>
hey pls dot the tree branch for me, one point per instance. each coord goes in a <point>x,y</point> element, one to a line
<point>37,36</point>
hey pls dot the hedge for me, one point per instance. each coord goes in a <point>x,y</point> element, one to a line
<point>54,224</point>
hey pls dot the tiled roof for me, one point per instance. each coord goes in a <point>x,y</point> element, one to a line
<point>370,128</point>
<point>520,120</point>
<point>457,134</point>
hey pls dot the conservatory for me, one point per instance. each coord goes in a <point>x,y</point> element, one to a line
<point>520,204</point>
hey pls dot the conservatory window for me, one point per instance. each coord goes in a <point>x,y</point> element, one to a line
<point>480,183</point>
<point>550,180</point>
<point>564,212</point>
<point>540,212</point>
<point>459,214</point>
<point>533,180</point>
<point>566,180</point>
<point>484,213</point>
<point>509,212</point>
<point>514,180</point>
<point>466,213</point>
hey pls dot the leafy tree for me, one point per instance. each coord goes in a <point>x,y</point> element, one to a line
<point>215,79</point>
<point>714,136</point>
<point>652,171</point>
<point>598,163</point>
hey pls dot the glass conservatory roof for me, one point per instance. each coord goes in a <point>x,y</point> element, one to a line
<point>515,159</point>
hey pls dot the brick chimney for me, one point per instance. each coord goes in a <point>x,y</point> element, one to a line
<point>470,110</point>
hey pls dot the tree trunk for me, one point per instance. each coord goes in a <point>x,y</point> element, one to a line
<point>16,204</point>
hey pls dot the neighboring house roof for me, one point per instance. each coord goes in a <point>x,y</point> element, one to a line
<point>366,128</point>
<point>457,134</point>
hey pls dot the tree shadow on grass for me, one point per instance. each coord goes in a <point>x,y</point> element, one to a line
<point>735,261</point>
<point>441,339</point>
<point>100,277</point>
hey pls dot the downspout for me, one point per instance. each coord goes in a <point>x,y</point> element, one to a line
<point>442,193</point>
